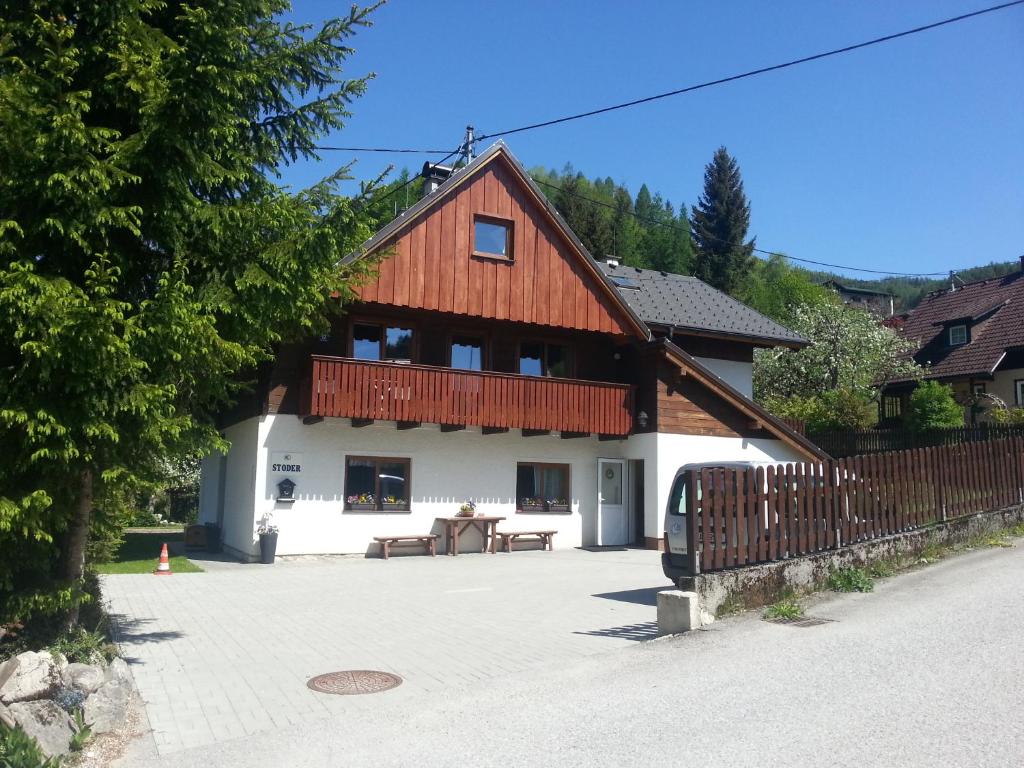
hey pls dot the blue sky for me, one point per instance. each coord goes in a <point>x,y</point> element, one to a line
<point>907,156</point>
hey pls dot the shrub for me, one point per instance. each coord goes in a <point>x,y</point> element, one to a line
<point>932,406</point>
<point>19,750</point>
<point>1008,415</point>
<point>838,409</point>
<point>849,580</point>
<point>80,645</point>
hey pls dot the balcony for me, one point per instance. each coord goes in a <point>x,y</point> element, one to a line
<point>411,394</point>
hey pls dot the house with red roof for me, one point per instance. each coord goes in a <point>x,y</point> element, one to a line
<point>972,337</point>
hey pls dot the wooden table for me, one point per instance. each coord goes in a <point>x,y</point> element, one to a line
<point>455,526</point>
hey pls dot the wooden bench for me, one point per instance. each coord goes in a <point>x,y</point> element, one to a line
<point>546,538</point>
<point>430,539</point>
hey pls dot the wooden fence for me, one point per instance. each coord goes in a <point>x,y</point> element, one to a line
<point>746,516</point>
<point>853,442</point>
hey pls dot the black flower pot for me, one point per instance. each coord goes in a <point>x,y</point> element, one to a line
<point>268,547</point>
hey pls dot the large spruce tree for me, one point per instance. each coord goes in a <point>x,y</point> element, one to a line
<point>148,258</point>
<point>719,224</point>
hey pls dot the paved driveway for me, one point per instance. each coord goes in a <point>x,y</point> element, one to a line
<point>227,653</point>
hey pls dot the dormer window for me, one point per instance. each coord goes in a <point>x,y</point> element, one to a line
<point>957,335</point>
<point>492,237</point>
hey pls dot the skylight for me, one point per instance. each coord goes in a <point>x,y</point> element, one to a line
<point>625,282</point>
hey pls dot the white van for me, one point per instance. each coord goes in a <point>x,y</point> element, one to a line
<point>674,560</point>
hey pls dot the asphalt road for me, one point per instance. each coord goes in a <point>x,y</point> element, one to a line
<point>928,670</point>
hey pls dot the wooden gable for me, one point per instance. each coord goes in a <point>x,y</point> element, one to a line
<point>547,281</point>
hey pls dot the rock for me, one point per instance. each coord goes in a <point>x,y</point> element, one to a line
<point>84,677</point>
<point>6,717</point>
<point>107,709</point>
<point>47,723</point>
<point>7,669</point>
<point>119,671</point>
<point>35,677</point>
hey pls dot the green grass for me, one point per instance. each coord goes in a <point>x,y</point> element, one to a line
<point>140,551</point>
<point>850,579</point>
<point>786,608</point>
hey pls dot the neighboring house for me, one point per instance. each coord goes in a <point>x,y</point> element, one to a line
<point>492,358</point>
<point>972,337</point>
<point>879,302</point>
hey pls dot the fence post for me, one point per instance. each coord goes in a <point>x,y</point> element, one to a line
<point>692,535</point>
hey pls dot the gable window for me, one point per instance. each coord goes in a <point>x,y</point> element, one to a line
<point>381,342</point>
<point>492,237</point>
<point>957,335</point>
<point>377,484</point>
<point>538,358</point>
<point>467,353</point>
<point>542,487</point>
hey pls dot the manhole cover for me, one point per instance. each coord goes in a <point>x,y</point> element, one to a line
<point>353,681</point>
<point>805,621</point>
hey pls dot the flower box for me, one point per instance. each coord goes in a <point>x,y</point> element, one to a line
<point>397,506</point>
<point>531,507</point>
<point>557,507</point>
<point>357,506</point>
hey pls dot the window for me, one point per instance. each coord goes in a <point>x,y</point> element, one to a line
<point>957,335</point>
<point>892,406</point>
<point>978,389</point>
<point>1018,391</point>
<point>381,342</point>
<point>373,483</point>
<point>467,352</point>
<point>542,487</point>
<point>537,358</point>
<point>492,237</point>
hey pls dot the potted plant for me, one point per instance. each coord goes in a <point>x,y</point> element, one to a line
<point>363,502</point>
<point>557,505</point>
<point>531,504</point>
<point>268,539</point>
<point>394,504</point>
<point>467,509</point>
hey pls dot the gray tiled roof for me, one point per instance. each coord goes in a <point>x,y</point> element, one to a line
<point>686,303</point>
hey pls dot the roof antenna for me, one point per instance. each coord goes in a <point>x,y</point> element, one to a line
<point>953,278</point>
<point>466,150</point>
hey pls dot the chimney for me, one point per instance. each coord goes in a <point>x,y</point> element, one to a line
<point>434,176</point>
<point>613,261</point>
<point>1022,262</point>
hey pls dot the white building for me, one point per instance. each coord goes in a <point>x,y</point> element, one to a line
<point>493,359</point>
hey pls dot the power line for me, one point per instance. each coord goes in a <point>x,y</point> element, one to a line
<point>753,72</point>
<point>676,227</point>
<point>388,150</point>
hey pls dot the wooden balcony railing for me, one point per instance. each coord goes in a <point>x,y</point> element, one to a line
<point>359,389</point>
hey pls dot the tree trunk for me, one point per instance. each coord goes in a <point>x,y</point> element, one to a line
<point>78,538</point>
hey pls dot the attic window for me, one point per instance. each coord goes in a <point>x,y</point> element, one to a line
<point>957,335</point>
<point>492,237</point>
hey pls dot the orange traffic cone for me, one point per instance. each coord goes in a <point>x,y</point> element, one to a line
<point>163,568</point>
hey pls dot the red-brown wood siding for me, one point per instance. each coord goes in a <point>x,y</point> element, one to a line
<point>431,265</point>
<point>341,387</point>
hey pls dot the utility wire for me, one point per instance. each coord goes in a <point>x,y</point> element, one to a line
<point>670,225</point>
<point>753,72</point>
<point>391,151</point>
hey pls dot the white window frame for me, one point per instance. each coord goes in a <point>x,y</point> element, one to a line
<point>1018,391</point>
<point>952,340</point>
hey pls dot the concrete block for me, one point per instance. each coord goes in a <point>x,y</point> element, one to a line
<point>678,611</point>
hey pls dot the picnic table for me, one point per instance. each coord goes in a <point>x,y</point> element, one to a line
<point>455,526</point>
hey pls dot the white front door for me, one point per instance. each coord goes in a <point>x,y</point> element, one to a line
<point>612,510</point>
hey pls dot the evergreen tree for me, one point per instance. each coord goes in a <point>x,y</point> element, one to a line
<point>719,224</point>
<point>148,257</point>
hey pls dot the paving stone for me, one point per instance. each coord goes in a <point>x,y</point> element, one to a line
<point>219,649</point>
